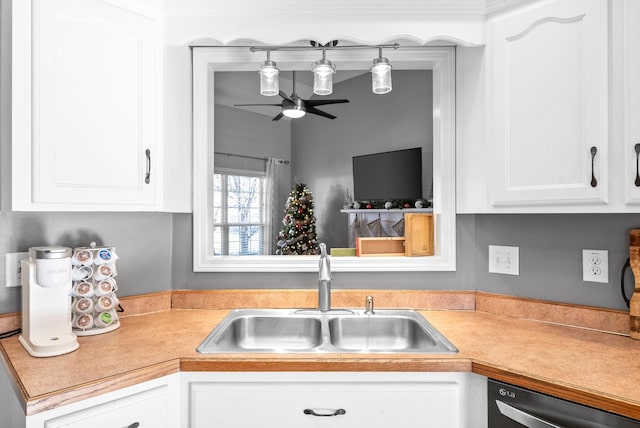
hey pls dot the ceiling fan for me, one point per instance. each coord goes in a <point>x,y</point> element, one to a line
<point>294,107</point>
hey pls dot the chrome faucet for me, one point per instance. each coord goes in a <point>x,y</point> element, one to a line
<point>324,280</point>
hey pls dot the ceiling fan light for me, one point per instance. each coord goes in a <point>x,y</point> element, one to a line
<point>294,110</point>
<point>269,85</point>
<point>381,76</point>
<point>293,113</point>
<point>323,71</point>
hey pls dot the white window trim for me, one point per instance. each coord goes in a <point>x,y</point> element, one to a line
<point>439,59</point>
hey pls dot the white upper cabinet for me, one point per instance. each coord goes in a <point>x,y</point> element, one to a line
<point>631,100</point>
<point>547,124</point>
<point>84,108</point>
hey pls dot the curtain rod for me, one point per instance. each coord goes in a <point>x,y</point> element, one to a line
<point>286,162</point>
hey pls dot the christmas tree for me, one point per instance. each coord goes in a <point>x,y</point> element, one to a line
<point>298,234</point>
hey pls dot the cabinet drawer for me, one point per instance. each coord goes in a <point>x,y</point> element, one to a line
<point>146,409</point>
<point>291,404</point>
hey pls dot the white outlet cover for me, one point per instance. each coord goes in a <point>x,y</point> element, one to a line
<point>504,260</point>
<point>12,267</point>
<point>595,266</point>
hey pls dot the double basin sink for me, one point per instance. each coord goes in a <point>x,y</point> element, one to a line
<point>336,331</point>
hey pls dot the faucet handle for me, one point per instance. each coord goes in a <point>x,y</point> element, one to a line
<point>369,306</point>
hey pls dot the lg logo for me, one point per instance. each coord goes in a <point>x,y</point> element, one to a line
<point>503,392</point>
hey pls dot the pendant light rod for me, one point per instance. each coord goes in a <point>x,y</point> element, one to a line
<point>322,48</point>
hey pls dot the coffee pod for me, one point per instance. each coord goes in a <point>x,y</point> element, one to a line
<point>83,321</point>
<point>105,271</point>
<point>105,319</point>
<point>104,303</point>
<point>82,257</point>
<point>104,256</point>
<point>83,289</point>
<point>81,273</point>
<point>106,286</point>
<point>83,305</point>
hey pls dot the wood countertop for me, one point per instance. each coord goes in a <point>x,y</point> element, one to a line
<point>591,367</point>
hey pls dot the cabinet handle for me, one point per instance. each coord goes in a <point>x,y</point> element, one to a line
<point>524,418</point>
<point>147,177</point>
<point>594,182</point>
<point>323,412</point>
<point>134,425</point>
<point>637,149</point>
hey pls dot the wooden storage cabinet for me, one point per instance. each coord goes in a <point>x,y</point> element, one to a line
<point>418,234</point>
<point>375,400</point>
<point>417,239</point>
<point>387,246</point>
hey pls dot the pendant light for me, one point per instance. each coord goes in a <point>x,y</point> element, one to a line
<point>323,71</point>
<point>381,75</point>
<point>269,85</point>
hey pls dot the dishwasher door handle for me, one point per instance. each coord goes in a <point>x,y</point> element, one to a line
<point>524,418</point>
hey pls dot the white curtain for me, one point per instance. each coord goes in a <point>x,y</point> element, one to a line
<point>274,203</point>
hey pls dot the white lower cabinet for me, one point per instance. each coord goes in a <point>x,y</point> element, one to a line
<point>442,400</point>
<point>150,404</point>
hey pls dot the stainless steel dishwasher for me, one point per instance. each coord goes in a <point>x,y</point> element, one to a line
<point>512,406</point>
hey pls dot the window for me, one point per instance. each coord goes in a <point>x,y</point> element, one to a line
<point>238,213</point>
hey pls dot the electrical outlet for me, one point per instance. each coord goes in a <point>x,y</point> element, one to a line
<point>595,266</point>
<point>12,269</point>
<point>505,260</point>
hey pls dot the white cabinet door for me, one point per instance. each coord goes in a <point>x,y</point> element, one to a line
<point>91,136</point>
<point>631,139</point>
<point>376,400</point>
<point>548,104</point>
<point>145,409</point>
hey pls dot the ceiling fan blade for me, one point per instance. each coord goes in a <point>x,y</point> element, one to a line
<point>278,117</point>
<point>314,103</point>
<point>284,96</point>
<point>314,110</point>
<point>247,105</point>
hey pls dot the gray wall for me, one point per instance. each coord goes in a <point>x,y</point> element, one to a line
<point>155,252</point>
<point>550,260</point>
<point>143,242</point>
<point>322,149</point>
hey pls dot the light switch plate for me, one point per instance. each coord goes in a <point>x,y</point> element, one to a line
<point>12,269</point>
<point>504,260</point>
<point>595,266</point>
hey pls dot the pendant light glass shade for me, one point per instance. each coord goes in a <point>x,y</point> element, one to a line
<point>323,71</point>
<point>269,85</point>
<point>381,76</point>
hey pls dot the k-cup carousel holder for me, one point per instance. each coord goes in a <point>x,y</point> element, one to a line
<point>94,300</point>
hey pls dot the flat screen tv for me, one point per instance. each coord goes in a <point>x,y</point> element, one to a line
<point>395,175</point>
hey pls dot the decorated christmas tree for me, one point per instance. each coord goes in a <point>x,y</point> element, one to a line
<point>298,234</point>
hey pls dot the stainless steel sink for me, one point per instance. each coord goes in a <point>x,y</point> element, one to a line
<point>311,331</point>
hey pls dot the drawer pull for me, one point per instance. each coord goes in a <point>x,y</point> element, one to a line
<point>134,425</point>
<point>324,412</point>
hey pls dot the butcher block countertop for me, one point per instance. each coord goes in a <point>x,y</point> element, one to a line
<point>578,353</point>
